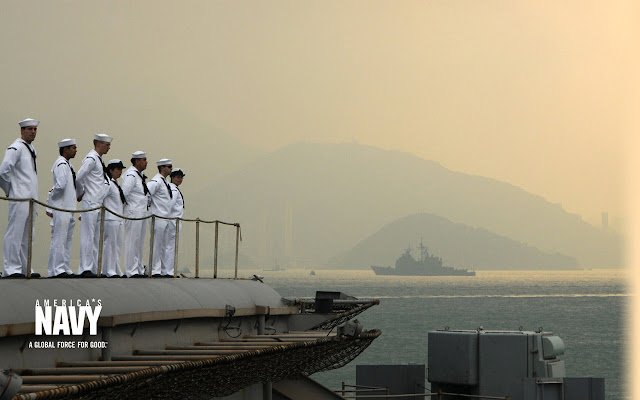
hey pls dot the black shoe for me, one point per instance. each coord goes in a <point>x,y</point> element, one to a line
<point>35,275</point>
<point>88,274</point>
<point>17,275</point>
<point>64,275</point>
<point>167,276</point>
<point>138,276</point>
<point>115,276</point>
<point>103,276</point>
<point>156,276</point>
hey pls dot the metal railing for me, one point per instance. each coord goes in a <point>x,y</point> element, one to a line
<point>355,393</point>
<point>360,388</point>
<point>153,217</point>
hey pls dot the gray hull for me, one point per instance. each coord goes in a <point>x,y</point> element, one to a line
<point>445,271</point>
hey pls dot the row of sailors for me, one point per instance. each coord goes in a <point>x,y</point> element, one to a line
<point>95,185</point>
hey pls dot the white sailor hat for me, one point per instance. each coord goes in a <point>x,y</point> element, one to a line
<point>28,122</point>
<point>66,142</point>
<point>177,172</point>
<point>164,161</point>
<point>101,137</point>
<point>115,163</point>
<point>139,154</point>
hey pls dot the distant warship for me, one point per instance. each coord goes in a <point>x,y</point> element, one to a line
<point>427,265</point>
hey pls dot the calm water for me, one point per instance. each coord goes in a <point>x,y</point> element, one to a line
<point>585,308</point>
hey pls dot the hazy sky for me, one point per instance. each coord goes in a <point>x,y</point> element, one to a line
<point>535,93</point>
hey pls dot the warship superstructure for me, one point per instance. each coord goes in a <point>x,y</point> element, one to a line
<point>426,265</point>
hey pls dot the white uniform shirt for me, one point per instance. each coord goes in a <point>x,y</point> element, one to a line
<point>92,179</point>
<point>161,196</point>
<point>113,202</point>
<point>63,193</point>
<point>18,176</point>
<point>132,187</point>
<point>178,201</point>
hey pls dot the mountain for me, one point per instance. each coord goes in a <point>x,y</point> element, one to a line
<point>307,202</point>
<point>458,245</point>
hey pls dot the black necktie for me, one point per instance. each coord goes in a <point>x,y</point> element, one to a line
<point>122,198</point>
<point>73,173</point>
<point>33,157</point>
<point>145,189</point>
<point>104,171</point>
<point>168,189</point>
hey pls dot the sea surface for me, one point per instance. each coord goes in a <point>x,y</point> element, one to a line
<point>586,308</point>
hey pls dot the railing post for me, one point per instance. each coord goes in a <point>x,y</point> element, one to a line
<point>101,242</point>
<point>197,247</point>
<point>342,389</point>
<point>152,239</point>
<point>237,246</point>
<point>30,248</point>
<point>215,254</point>
<point>175,250</point>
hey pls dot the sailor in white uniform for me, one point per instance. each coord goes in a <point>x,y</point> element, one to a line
<point>18,179</point>
<point>62,195</point>
<point>177,176</point>
<point>136,192</point>
<point>177,211</point>
<point>114,201</point>
<point>164,232</point>
<point>93,183</point>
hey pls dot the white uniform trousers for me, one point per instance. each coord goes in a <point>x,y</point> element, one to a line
<point>163,246</point>
<point>61,237</point>
<point>16,239</point>
<point>111,249</point>
<point>134,232</point>
<point>90,236</point>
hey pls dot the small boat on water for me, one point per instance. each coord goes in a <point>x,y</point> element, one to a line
<point>426,265</point>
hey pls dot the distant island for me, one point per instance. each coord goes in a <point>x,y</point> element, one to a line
<point>316,204</point>
<point>459,244</point>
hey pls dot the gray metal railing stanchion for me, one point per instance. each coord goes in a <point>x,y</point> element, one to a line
<point>30,248</point>
<point>215,254</point>
<point>151,240</point>
<point>197,247</point>
<point>101,243</point>
<point>175,249</point>
<point>237,246</point>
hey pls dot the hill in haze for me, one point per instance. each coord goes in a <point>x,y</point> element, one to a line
<point>457,244</point>
<point>307,202</point>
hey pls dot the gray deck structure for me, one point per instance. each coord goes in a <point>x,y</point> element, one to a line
<point>168,337</point>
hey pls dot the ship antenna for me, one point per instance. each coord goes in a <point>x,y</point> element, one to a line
<point>423,251</point>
